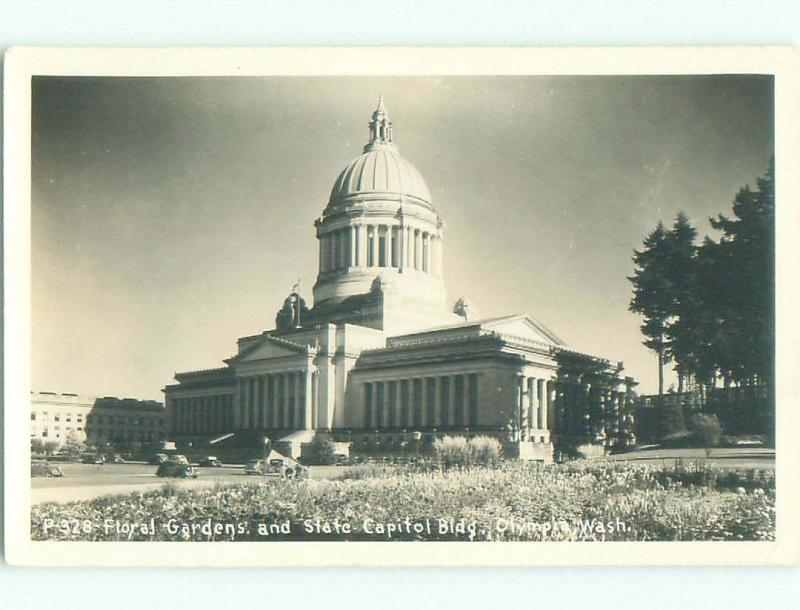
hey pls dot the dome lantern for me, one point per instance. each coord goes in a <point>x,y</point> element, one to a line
<point>381,130</point>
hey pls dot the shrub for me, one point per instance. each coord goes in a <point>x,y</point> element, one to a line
<point>707,429</point>
<point>458,451</point>
<point>324,451</point>
<point>452,451</point>
<point>485,450</point>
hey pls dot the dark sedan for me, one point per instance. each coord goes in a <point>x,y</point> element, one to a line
<point>176,469</point>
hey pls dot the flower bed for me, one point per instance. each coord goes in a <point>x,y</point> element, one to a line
<point>514,502</point>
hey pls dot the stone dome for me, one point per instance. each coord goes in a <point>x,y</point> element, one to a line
<point>380,169</point>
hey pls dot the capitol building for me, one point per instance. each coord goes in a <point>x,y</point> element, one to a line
<point>382,357</point>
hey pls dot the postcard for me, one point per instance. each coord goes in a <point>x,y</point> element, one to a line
<point>401,306</point>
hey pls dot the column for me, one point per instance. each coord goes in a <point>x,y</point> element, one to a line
<point>351,245</point>
<point>522,415</point>
<point>423,408</point>
<point>321,254</point>
<point>389,245</point>
<point>398,407</point>
<point>375,237</point>
<point>299,409</point>
<point>451,385</point>
<point>401,244</point>
<point>541,397</point>
<point>308,398</point>
<point>426,267</point>
<point>533,404</point>
<point>550,391</point>
<point>246,412</point>
<point>264,423</point>
<point>359,238</point>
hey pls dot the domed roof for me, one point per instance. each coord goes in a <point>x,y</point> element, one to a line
<point>380,169</point>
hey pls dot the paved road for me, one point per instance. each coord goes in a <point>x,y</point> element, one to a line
<point>725,457</point>
<point>87,481</point>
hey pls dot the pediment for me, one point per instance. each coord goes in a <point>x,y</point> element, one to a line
<point>269,348</point>
<point>524,327</point>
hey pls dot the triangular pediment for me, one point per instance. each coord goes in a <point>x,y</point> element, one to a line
<point>523,327</point>
<point>269,348</point>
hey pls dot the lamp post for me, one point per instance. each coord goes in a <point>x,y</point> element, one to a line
<point>267,446</point>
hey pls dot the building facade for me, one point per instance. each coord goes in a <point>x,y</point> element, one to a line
<point>380,358</point>
<point>92,419</point>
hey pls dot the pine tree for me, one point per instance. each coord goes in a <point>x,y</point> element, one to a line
<point>652,294</point>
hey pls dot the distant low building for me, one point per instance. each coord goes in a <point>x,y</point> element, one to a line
<point>93,419</point>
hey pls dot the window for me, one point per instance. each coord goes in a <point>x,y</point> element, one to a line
<point>33,416</point>
<point>44,433</point>
<point>79,428</point>
<point>57,417</point>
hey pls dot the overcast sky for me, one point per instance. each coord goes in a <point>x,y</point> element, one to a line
<point>172,216</point>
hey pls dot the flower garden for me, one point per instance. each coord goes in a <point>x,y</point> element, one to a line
<point>511,501</point>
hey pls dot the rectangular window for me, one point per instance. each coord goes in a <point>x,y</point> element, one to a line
<point>33,416</point>
<point>57,417</point>
<point>371,249</point>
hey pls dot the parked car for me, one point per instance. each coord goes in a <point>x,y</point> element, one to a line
<point>253,467</point>
<point>174,468</point>
<point>211,462</point>
<point>158,458</point>
<point>45,469</point>
<point>275,466</point>
<point>115,459</point>
<point>92,458</point>
<point>181,459</point>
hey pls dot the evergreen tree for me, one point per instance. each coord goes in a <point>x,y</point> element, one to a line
<point>653,294</point>
<point>681,339</point>
<point>746,259</point>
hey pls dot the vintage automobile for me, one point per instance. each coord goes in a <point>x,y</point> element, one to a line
<point>92,458</point>
<point>158,458</point>
<point>210,461</point>
<point>275,467</point>
<point>115,459</point>
<point>174,468</point>
<point>181,459</point>
<point>45,469</point>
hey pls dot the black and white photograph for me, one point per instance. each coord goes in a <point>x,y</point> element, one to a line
<point>403,308</point>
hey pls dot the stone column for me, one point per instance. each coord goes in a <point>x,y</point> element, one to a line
<point>308,403</point>
<point>541,399</point>
<point>533,404</point>
<point>246,423</point>
<point>423,408</point>
<point>321,254</point>
<point>264,402</point>
<point>398,404</point>
<point>522,412</point>
<point>351,233</point>
<point>401,247</point>
<point>359,247</point>
<point>375,238</point>
<point>551,403</point>
<point>451,397</point>
<point>435,418</point>
<point>389,245</point>
<point>299,408</point>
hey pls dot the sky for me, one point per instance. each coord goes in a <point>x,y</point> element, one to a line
<point>171,216</point>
